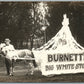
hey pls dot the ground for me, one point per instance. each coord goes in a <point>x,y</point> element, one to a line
<point>21,74</point>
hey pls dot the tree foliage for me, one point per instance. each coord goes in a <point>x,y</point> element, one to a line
<point>19,20</point>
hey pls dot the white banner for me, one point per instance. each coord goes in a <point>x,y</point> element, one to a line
<point>57,63</point>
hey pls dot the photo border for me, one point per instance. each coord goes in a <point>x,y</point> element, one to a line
<point>38,1</point>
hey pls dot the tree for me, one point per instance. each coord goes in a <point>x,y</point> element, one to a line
<point>39,14</point>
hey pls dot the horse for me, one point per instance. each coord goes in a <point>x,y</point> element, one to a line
<point>16,55</point>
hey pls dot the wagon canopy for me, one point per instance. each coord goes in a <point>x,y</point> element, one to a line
<point>63,41</point>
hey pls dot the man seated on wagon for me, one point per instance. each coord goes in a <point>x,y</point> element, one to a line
<point>8,47</point>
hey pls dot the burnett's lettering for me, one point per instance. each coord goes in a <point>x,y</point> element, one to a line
<point>79,66</point>
<point>80,57</point>
<point>50,58</point>
<point>65,57</point>
<point>65,66</point>
<point>49,67</point>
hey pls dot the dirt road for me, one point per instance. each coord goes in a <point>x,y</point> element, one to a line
<point>21,74</point>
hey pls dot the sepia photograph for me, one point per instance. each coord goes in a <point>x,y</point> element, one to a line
<point>42,41</point>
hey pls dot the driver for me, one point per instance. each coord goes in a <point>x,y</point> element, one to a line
<point>8,47</point>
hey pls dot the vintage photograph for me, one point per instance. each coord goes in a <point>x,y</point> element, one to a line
<point>42,41</point>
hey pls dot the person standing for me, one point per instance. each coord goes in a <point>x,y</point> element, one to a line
<point>7,48</point>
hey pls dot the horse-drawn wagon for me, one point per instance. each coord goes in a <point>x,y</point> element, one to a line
<point>18,55</point>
